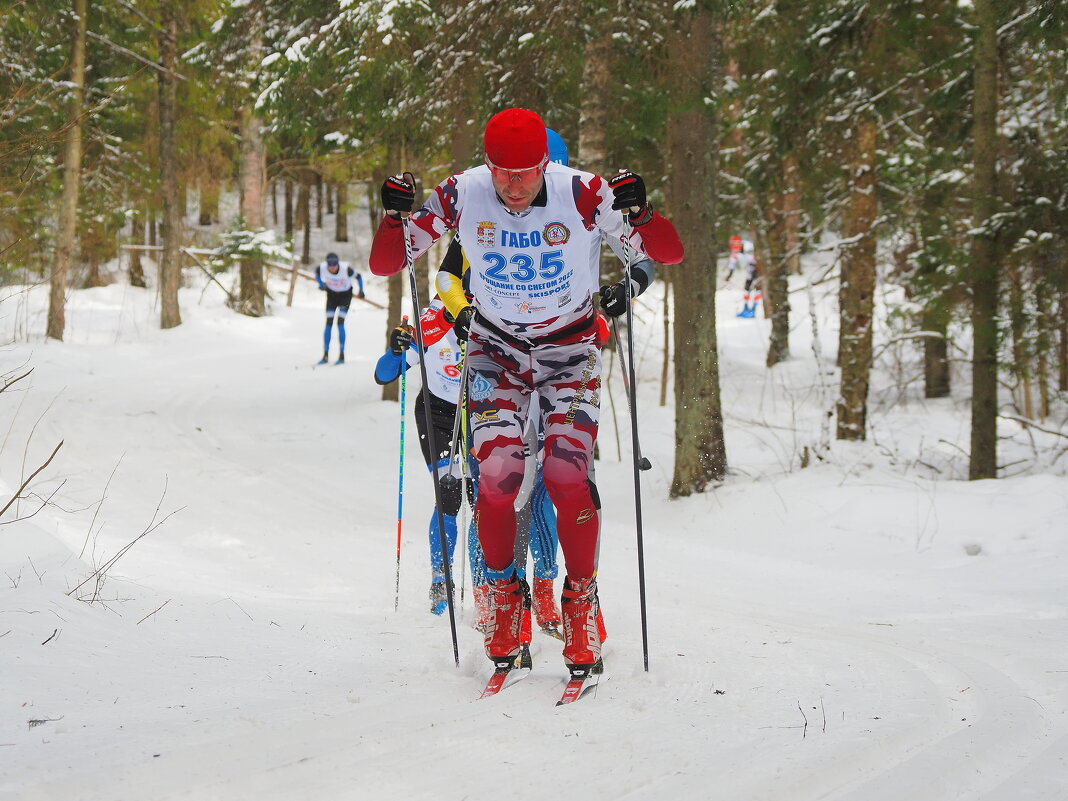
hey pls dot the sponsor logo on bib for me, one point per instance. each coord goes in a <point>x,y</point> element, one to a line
<point>528,307</point>
<point>556,233</point>
<point>486,234</point>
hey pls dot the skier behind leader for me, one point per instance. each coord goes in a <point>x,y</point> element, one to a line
<point>743,255</point>
<point>335,277</point>
<point>444,372</point>
<point>443,368</point>
<point>532,230</point>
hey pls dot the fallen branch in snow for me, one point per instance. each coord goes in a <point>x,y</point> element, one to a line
<point>146,617</point>
<point>1032,424</point>
<point>34,722</point>
<point>45,502</point>
<point>101,572</point>
<point>25,483</point>
<point>804,731</point>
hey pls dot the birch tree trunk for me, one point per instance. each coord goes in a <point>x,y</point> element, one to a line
<point>304,216</point>
<point>1062,333</point>
<point>858,288</point>
<point>137,272</point>
<point>289,208</point>
<point>209,200</point>
<point>935,352</point>
<point>985,268</point>
<point>594,118</point>
<point>253,290</point>
<point>692,134</point>
<point>72,170</point>
<point>341,212</point>
<point>775,285</point>
<point>318,200</point>
<point>170,268</point>
<point>463,146</point>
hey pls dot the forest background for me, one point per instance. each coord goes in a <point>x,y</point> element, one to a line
<point>922,142</point>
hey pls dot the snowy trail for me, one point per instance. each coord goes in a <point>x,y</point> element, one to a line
<point>272,670</point>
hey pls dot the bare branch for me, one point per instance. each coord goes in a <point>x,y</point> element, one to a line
<point>28,480</point>
<point>99,506</point>
<point>1032,424</point>
<point>11,381</point>
<point>101,571</point>
<point>147,62</point>
<point>146,617</point>
<point>45,502</point>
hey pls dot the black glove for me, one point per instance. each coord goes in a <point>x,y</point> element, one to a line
<point>614,299</point>
<point>629,190</point>
<point>397,195</point>
<point>462,326</point>
<point>361,295</point>
<point>400,339</point>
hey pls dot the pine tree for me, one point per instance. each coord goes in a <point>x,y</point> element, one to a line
<point>692,134</point>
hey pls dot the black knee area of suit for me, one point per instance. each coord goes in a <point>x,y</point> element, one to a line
<point>452,495</point>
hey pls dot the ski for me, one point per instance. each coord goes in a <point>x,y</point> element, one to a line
<point>552,631</point>
<point>582,680</point>
<point>504,669</point>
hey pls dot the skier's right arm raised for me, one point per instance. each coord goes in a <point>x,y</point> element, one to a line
<point>426,225</point>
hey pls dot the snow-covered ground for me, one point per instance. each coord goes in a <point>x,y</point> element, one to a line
<point>871,627</point>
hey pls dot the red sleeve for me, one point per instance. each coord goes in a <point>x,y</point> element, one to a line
<point>661,240</point>
<point>387,247</point>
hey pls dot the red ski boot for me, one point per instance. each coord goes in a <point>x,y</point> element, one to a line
<point>482,610</point>
<point>502,636</point>
<point>582,640</point>
<point>545,610</point>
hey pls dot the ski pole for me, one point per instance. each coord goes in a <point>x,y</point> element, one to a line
<point>400,478</point>
<point>643,462</point>
<point>629,253</point>
<point>429,420</point>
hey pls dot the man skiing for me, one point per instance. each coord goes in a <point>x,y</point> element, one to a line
<point>533,503</point>
<point>743,256</point>
<point>533,232</point>
<point>335,277</point>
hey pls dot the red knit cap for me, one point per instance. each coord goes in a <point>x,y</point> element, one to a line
<point>515,139</point>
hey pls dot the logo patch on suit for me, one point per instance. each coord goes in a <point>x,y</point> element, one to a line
<point>480,388</point>
<point>584,516</point>
<point>488,416</point>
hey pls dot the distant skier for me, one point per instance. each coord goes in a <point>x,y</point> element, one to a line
<point>536,228</point>
<point>743,255</point>
<point>336,277</point>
